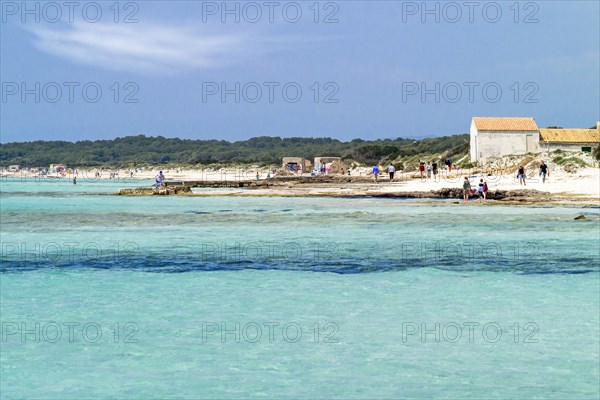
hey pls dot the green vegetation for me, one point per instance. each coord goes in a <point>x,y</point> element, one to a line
<point>560,160</point>
<point>142,150</point>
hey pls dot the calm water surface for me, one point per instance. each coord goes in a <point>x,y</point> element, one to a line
<point>178,297</point>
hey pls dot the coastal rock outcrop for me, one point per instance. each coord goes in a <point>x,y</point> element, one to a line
<point>522,195</point>
<point>153,191</point>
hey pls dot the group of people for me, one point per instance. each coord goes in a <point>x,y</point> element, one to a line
<point>111,175</point>
<point>116,174</point>
<point>482,187</point>
<point>375,171</point>
<point>544,172</point>
<point>321,169</point>
<point>430,168</point>
<point>482,190</point>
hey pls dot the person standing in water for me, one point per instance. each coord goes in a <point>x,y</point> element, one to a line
<point>521,175</point>
<point>466,189</point>
<point>544,171</point>
<point>375,172</point>
<point>74,180</point>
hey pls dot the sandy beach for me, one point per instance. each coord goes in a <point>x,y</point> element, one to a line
<point>562,188</point>
<point>583,185</point>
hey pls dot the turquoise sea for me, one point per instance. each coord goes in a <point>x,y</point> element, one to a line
<point>238,297</point>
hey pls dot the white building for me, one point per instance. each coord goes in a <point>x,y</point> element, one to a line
<point>495,137</point>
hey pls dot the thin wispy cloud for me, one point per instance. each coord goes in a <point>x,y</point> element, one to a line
<point>565,63</point>
<point>147,48</point>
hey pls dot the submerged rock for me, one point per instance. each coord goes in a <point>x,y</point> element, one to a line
<point>136,192</point>
<point>581,216</point>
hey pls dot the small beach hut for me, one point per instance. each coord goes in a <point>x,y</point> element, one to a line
<point>333,165</point>
<point>295,164</point>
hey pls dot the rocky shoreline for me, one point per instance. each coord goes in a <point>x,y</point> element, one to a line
<point>352,188</point>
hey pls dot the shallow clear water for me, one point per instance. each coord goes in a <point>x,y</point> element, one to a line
<point>225,297</point>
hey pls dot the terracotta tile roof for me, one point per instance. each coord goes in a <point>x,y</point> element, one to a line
<point>505,124</point>
<point>570,135</point>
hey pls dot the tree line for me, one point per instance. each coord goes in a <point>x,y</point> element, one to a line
<point>146,150</point>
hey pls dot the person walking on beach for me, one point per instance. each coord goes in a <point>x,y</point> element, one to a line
<point>434,168</point>
<point>544,171</point>
<point>375,172</point>
<point>428,170</point>
<point>159,179</point>
<point>521,175</point>
<point>422,169</point>
<point>466,189</point>
<point>391,170</point>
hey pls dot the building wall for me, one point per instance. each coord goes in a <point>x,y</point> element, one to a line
<point>473,136</point>
<point>566,146</point>
<point>326,160</point>
<point>298,160</point>
<point>498,143</point>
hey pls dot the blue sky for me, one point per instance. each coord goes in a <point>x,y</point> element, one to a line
<point>371,61</point>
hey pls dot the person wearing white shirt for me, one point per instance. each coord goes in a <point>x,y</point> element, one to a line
<point>391,171</point>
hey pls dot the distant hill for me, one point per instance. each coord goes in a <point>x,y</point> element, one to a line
<point>143,150</point>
